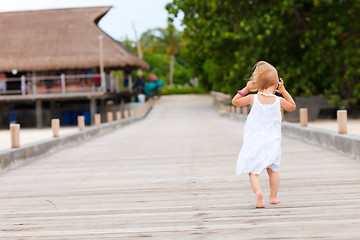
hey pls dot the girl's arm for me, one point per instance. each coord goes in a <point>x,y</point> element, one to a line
<point>239,100</point>
<point>287,102</point>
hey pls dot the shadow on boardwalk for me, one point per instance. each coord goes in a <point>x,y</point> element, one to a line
<point>172,176</point>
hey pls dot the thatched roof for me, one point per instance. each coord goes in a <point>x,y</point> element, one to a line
<point>59,39</point>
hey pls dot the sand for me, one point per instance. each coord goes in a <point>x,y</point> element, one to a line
<point>353,125</point>
<point>30,135</point>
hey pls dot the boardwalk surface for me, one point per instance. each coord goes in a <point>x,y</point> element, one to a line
<point>171,176</point>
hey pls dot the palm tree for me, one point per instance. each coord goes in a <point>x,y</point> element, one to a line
<point>166,40</point>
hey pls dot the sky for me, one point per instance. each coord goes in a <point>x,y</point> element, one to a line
<point>118,22</point>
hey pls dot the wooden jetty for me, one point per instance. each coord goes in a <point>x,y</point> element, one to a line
<point>172,176</point>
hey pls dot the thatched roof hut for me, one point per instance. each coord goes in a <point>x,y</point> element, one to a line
<point>59,39</point>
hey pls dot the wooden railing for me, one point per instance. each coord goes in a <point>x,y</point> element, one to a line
<point>60,84</point>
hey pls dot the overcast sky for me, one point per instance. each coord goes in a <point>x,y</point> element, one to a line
<point>118,22</point>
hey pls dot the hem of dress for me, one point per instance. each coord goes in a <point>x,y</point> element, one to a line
<point>256,173</point>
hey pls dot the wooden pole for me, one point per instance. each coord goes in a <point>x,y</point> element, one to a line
<point>33,83</point>
<point>101,65</point>
<point>81,122</point>
<point>38,113</point>
<point>138,46</point>
<point>131,113</point>
<point>342,121</point>
<point>93,110</point>
<point>15,135</point>
<point>23,85</point>
<point>130,86</point>
<point>63,83</point>
<point>118,115</point>
<point>55,125</point>
<point>303,117</point>
<point>126,114</point>
<point>109,117</point>
<point>97,119</point>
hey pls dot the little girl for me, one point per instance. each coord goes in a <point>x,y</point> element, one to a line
<point>262,131</point>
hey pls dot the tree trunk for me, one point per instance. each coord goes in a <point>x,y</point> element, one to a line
<point>172,63</point>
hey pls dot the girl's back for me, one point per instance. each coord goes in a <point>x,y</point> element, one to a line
<point>262,138</point>
<point>265,115</point>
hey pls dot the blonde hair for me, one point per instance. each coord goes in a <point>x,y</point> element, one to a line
<point>264,75</point>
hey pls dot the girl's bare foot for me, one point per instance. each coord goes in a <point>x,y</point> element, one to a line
<point>259,200</point>
<point>274,200</point>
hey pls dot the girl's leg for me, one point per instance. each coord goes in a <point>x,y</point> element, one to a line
<point>255,184</point>
<point>274,185</point>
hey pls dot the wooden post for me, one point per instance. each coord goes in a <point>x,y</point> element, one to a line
<point>63,83</point>
<point>245,110</point>
<point>233,109</point>
<point>109,117</point>
<point>303,117</point>
<point>117,83</point>
<point>126,114</point>
<point>238,110</point>
<point>131,113</point>
<point>55,125</point>
<point>342,121</point>
<point>93,110</point>
<point>97,119</point>
<point>15,135</point>
<point>118,115</point>
<point>38,113</point>
<point>130,83</point>
<point>33,83</point>
<point>101,64</point>
<point>23,85</point>
<point>81,122</point>
<point>111,83</point>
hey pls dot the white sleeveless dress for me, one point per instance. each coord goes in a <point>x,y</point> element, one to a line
<point>261,147</point>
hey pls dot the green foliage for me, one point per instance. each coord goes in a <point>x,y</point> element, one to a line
<point>313,44</point>
<point>157,45</point>
<point>180,89</point>
<point>160,66</point>
<point>128,44</point>
<point>182,74</point>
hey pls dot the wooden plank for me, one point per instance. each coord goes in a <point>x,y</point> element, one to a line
<point>172,176</point>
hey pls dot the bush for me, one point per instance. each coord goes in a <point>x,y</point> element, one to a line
<point>178,89</point>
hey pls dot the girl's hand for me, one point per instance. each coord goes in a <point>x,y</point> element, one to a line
<point>281,88</point>
<point>251,86</point>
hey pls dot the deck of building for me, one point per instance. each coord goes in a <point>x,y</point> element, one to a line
<point>172,176</point>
